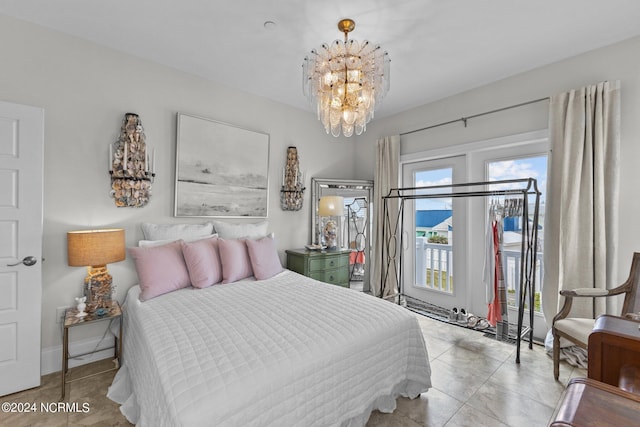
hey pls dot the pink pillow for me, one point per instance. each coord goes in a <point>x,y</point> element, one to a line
<point>264,258</point>
<point>203,262</point>
<point>235,260</point>
<point>160,269</point>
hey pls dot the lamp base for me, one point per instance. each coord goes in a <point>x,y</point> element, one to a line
<point>330,235</point>
<point>97,287</point>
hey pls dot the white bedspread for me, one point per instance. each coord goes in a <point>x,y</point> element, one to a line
<point>287,351</point>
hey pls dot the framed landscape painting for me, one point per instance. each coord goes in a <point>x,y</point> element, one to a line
<point>221,170</point>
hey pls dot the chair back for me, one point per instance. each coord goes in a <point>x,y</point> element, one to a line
<point>632,297</point>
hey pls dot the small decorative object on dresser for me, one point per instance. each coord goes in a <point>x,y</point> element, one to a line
<point>330,267</point>
<point>329,208</point>
<point>131,166</point>
<point>292,192</point>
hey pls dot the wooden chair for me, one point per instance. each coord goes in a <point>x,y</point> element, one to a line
<point>577,330</point>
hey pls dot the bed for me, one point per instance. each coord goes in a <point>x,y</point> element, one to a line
<point>216,333</point>
<point>284,351</point>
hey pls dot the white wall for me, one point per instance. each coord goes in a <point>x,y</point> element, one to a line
<point>85,90</point>
<point>616,62</point>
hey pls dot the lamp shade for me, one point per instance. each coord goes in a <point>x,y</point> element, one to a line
<point>95,247</point>
<point>331,206</point>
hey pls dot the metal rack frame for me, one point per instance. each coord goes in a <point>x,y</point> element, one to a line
<point>393,237</point>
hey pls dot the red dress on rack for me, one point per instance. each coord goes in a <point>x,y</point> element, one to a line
<point>495,312</point>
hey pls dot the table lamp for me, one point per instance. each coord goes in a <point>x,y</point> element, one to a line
<point>329,207</point>
<point>95,249</point>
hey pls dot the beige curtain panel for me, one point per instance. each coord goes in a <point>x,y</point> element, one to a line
<point>581,223</point>
<point>386,178</point>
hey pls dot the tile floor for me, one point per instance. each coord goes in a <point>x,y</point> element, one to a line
<point>92,391</point>
<point>476,382</point>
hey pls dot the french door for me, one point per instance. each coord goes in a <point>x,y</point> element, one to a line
<point>525,161</point>
<point>444,256</point>
<point>435,231</point>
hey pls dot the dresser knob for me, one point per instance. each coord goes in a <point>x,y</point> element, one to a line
<point>331,263</point>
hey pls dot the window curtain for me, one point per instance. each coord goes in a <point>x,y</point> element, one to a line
<point>581,224</point>
<point>386,178</point>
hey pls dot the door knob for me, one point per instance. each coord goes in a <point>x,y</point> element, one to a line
<point>28,261</point>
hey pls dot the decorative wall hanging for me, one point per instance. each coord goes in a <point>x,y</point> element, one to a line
<point>221,170</point>
<point>292,192</point>
<point>131,168</point>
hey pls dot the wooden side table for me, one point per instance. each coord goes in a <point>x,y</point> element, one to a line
<point>113,311</point>
<point>613,344</point>
<point>326,266</point>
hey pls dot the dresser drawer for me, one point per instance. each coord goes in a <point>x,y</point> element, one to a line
<point>338,276</point>
<point>329,267</point>
<point>326,263</point>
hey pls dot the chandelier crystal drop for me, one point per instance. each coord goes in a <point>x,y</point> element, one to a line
<point>346,81</point>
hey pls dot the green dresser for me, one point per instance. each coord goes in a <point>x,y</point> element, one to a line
<point>330,267</point>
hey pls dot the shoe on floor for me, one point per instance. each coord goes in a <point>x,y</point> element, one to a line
<point>482,325</point>
<point>453,315</point>
<point>472,320</point>
<point>463,317</point>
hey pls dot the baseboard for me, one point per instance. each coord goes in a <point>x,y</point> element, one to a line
<point>51,357</point>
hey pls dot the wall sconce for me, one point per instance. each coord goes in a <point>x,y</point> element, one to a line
<point>131,167</point>
<point>292,193</point>
<point>95,249</point>
<point>329,207</point>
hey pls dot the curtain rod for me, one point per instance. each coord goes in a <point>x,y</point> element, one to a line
<point>464,119</point>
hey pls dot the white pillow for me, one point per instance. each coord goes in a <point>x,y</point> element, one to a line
<point>152,243</point>
<point>173,232</point>
<point>254,230</point>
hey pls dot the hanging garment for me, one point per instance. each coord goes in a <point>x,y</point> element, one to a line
<point>489,268</point>
<point>502,328</point>
<point>495,314</point>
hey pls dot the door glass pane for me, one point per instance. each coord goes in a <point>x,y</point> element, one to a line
<point>434,233</point>
<point>528,167</point>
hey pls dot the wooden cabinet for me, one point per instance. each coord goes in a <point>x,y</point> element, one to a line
<point>613,344</point>
<point>330,266</point>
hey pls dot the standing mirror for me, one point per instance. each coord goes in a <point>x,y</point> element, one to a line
<point>354,226</point>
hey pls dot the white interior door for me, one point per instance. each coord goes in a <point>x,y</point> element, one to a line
<point>21,167</point>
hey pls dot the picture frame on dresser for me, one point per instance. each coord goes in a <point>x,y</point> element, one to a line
<point>221,170</point>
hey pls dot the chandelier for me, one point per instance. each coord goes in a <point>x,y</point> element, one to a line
<point>345,81</point>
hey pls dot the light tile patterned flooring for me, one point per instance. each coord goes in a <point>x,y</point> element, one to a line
<point>476,382</point>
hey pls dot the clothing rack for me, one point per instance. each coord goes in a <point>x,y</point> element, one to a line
<point>393,236</point>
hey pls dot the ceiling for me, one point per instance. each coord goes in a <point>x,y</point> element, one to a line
<point>437,47</point>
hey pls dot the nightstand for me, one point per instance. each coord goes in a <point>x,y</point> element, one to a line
<point>113,311</point>
<point>326,266</point>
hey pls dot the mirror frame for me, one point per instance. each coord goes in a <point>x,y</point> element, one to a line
<point>362,185</point>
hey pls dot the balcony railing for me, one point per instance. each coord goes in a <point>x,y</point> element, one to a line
<point>511,265</point>
<point>434,270</point>
<point>434,265</point>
